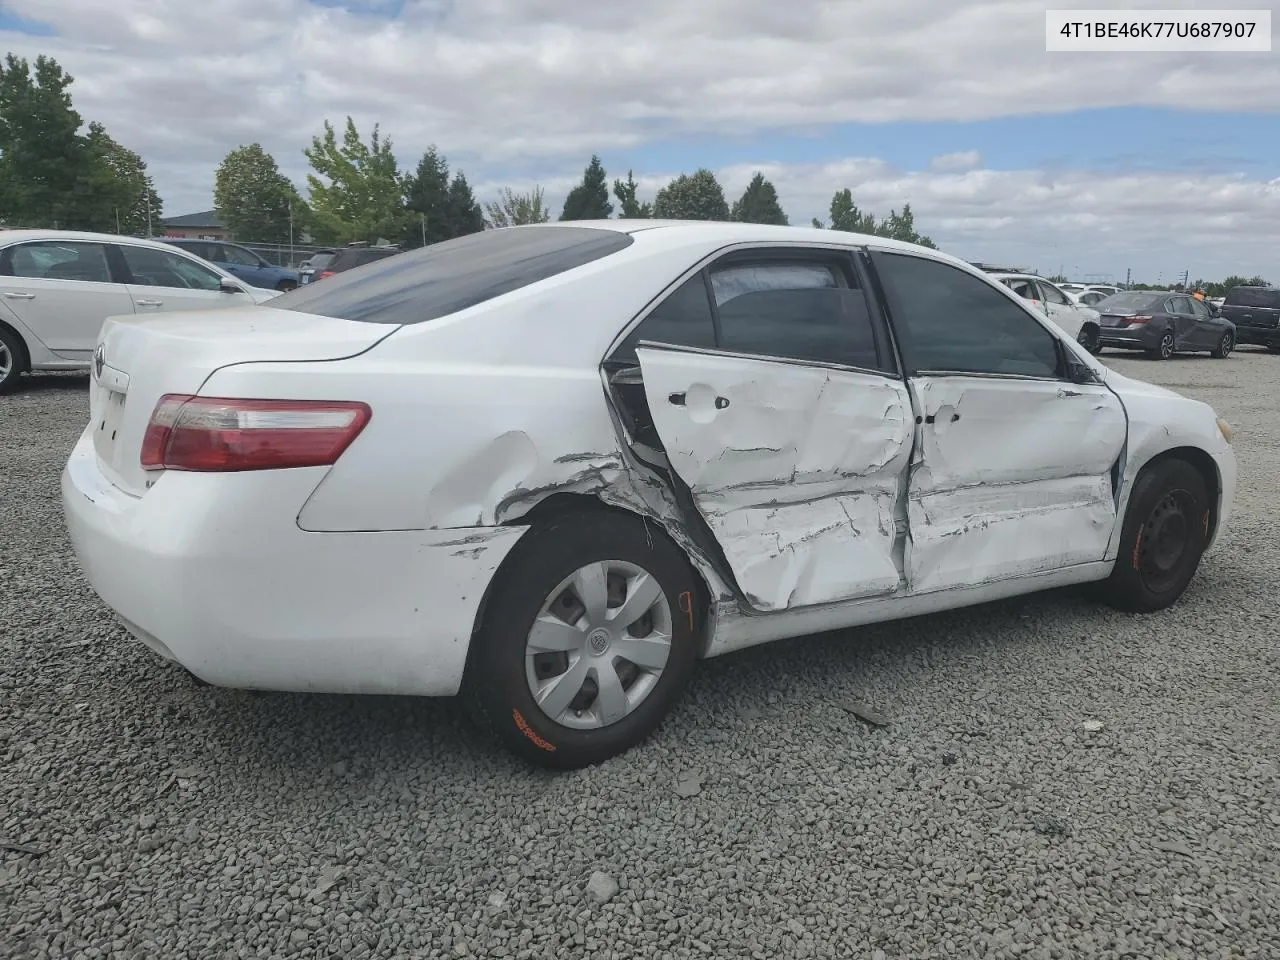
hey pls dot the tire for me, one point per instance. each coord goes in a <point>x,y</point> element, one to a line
<point>1090,338</point>
<point>1166,348</point>
<point>1164,536</point>
<point>1224,347</point>
<point>536,586</point>
<point>1274,346</point>
<point>284,286</point>
<point>13,359</point>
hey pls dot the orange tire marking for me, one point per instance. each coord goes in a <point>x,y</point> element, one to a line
<point>686,607</point>
<point>523,726</point>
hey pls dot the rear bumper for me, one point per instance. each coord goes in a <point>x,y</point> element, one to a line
<point>212,571</point>
<point>1134,338</point>
<point>1228,473</point>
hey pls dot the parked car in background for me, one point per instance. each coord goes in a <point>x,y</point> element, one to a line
<point>1080,321</point>
<point>1074,287</point>
<point>1164,323</point>
<point>355,255</point>
<point>1091,298</point>
<point>407,479</point>
<point>240,262</point>
<point>1255,311</point>
<point>314,264</point>
<point>1107,288</point>
<point>57,287</point>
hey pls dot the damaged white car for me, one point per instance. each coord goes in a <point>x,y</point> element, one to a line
<point>554,466</point>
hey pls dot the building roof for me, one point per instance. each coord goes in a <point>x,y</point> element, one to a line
<point>208,218</point>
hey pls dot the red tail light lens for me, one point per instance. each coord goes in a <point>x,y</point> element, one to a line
<point>1137,319</point>
<point>221,434</point>
<point>325,275</point>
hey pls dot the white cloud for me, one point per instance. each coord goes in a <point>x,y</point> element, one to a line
<point>533,86</point>
<point>963,160</point>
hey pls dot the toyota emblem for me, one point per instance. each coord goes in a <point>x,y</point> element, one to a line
<point>99,360</point>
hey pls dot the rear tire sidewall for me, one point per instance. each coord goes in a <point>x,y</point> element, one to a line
<point>1167,346</point>
<point>1126,588</point>
<point>1224,347</point>
<point>496,678</point>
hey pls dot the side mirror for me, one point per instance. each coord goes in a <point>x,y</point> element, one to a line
<point>230,286</point>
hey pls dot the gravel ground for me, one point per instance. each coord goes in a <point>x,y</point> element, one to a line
<point>1055,780</point>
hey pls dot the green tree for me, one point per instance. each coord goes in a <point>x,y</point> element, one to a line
<point>44,162</point>
<point>115,193</point>
<point>902,226</point>
<point>254,199</point>
<point>696,196</point>
<point>439,207</point>
<point>629,208</point>
<point>759,204</point>
<point>466,215</point>
<point>846,216</point>
<point>589,200</point>
<point>517,209</point>
<point>357,191</point>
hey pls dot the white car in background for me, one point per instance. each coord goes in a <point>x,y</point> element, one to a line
<point>553,466</point>
<point>1081,322</point>
<point>58,286</point>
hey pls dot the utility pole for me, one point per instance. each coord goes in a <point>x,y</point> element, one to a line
<point>147,194</point>
<point>1128,277</point>
<point>424,229</point>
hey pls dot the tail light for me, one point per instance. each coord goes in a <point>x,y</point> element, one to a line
<point>325,275</point>
<point>1137,318</point>
<point>216,434</point>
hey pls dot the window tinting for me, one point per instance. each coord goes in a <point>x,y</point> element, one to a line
<point>1134,302</point>
<point>57,260</point>
<point>682,319</point>
<point>1253,297</point>
<point>441,279</point>
<point>953,321</point>
<point>1180,306</point>
<point>797,310</point>
<point>160,268</point>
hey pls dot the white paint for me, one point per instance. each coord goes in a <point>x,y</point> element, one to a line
<point>1011,478</point>
<point>481,415</point>
<point>796,469</point>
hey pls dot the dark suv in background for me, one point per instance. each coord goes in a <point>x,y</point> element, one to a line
<point>1256,313</point>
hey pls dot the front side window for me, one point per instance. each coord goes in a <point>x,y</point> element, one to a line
<point>1053,294</point>
<point>1023,288</point>
<point>57,260</point>
<point>160,268</point>
<point>237,255</point>
<point>952,321</point>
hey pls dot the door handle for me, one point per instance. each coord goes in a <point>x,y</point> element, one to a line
<point>149,303</point>
<point>676,399</point>
<point>12,295</point>
<point>721,402</point>
<point>1070,393</point>
<point>932,418</point>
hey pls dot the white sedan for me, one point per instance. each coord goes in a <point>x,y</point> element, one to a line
<point>1077,318</point>
<point>57,287</point>
<point>553,466</point>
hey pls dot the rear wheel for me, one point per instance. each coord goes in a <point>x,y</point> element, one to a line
<point>13,359</point>
<point>1166,530</point>
<point>587,641</point>
<point>1224,347</point>
<point>1091,338</point>
<point>1164,349</point>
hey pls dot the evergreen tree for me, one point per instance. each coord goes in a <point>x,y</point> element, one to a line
<point>589,200</point>
<point>759,203</point>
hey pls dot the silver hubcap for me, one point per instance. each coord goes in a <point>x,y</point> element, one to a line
<point>599,645</point>
<point>6,362</point>
<point>1227,344</point>
<point>1166,345</point>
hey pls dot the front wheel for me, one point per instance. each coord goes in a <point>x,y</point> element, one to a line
<point>12,357</point>
<point>1165,533</point>
<point>588,640</point>
<point>1165,348</point>
<point>1224,347</point>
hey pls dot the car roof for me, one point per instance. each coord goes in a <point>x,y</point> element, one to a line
<point>1017,276</point>
<point>19,236</point>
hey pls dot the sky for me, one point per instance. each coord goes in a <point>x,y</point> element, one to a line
<point>1094,164</point>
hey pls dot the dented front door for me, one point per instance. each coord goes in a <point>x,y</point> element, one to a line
<point>796,468</point>
<point>1010,477</point>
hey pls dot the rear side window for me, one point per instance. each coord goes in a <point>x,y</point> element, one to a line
<point>441,279</point>
<point>684,319</point>
<point>1253,297</point>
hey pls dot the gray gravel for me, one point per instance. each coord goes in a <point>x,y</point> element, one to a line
<point>1054,780</point>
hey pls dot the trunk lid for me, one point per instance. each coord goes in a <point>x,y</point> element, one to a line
<point>139,360</point>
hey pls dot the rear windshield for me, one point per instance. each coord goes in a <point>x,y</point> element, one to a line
<point>446,277</point>
<point>1253,297</point>
<point>1128,302</point>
